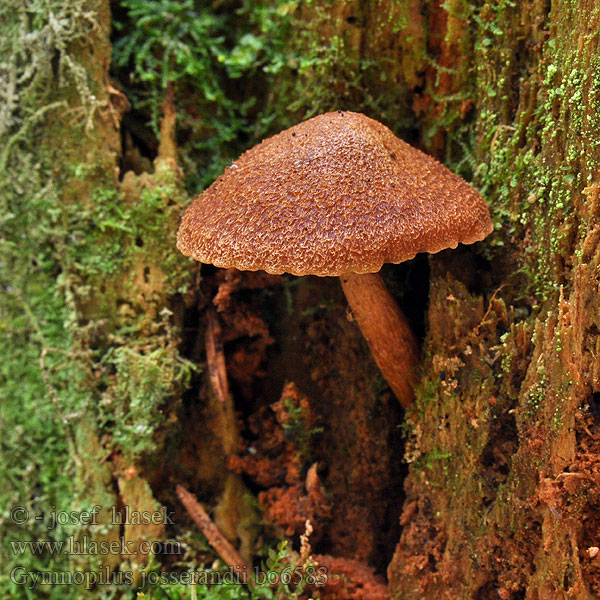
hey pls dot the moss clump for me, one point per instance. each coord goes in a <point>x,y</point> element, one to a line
<point>244,70</point>
<point>138,383</point>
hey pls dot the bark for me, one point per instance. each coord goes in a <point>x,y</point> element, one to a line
<point>503,477</point>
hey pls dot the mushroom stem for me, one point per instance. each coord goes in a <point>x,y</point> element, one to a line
<point>390,339</point>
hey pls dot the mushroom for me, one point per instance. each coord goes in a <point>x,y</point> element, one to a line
<point>338,195</point>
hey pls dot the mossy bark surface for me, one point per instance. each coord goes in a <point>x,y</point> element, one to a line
<point>502,486</point>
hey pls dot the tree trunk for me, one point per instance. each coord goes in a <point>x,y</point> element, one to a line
<point>502,487</point>
<point>105,379</point>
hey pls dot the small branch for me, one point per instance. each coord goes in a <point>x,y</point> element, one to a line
<point>215,358</point>
<point>215,538</point>
<point>168,147</point>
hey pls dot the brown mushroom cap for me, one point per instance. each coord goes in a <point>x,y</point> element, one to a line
<point>337,193</point>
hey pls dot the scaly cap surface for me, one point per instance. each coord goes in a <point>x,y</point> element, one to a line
<point>337,193</point>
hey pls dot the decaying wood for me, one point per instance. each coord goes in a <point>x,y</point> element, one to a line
<point>217,371</point>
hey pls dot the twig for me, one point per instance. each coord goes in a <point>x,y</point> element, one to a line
<point>217,371</point>
<point>168,147</point>
<point>215,538</point>
<point>215,358</point>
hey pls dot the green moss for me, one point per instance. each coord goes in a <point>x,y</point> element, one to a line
<point>220,67</point>
<point>273,581</point>
<point>68,233</point>
<point>531,148</point>
<point>40,377</point>
<point>138,384</point>
<point>431,458</point>
<point>108,233</point>
<point>427,393</point>
<point>533,182</point>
